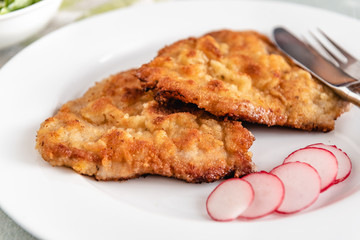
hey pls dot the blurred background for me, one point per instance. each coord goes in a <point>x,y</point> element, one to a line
<point>75,10</point>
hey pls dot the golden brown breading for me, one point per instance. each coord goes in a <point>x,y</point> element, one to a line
<point>117,131</point>
<point>242,75</point>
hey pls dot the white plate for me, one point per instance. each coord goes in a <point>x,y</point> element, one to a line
<point>56,203</point>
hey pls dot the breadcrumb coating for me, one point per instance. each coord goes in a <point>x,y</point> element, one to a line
<point>242,75</point>
<point>116,131</point>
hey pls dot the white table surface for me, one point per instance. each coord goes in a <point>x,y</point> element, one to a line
<point>71,10</point>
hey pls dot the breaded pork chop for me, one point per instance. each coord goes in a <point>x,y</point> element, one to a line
<point>242,75</point>
<point>117,131</point>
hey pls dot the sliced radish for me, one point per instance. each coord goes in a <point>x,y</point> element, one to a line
<point>269,193</point>
<point>302,186</point>
<point>344,163</point>
<point>321,159</point>
<point>229,199</point>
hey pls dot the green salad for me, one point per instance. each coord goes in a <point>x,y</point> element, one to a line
<point>7,6</point>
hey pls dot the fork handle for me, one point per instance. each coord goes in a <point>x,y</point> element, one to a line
<point>350,92</point>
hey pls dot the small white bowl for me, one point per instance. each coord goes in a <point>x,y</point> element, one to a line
<point>19,25</point>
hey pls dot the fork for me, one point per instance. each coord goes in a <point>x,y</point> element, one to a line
<point>337,77</point>
<point>351,66</point>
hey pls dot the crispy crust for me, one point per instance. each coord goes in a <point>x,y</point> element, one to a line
<point>116,131</point>
<point>243,76</point>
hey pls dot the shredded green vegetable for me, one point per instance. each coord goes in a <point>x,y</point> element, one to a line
<point>7,6</point>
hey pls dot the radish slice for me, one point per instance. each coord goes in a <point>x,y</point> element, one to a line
<point>322,160</point>
<point>302,186</point>
<point>229,199</point>
<point>269,194</point>
<point>344,163</point>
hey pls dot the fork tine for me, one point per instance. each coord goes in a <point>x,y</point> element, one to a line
<point>347,55</point>
<point>307,43</point>
<point>338,60</point>
<point>314,50</point>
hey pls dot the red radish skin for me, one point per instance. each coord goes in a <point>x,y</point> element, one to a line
<point>344,162</point>
<point>302,186</point>
<point>288,188</point>
<point>268,194</point>
<point>229,199</point>
<point>321,159</point>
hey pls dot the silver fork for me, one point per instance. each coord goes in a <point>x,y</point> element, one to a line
<point>351,66</point>
<point>335,77</point>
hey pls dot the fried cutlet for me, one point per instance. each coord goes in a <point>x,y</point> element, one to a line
<point>116,131</point>
<point>242,75</point>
